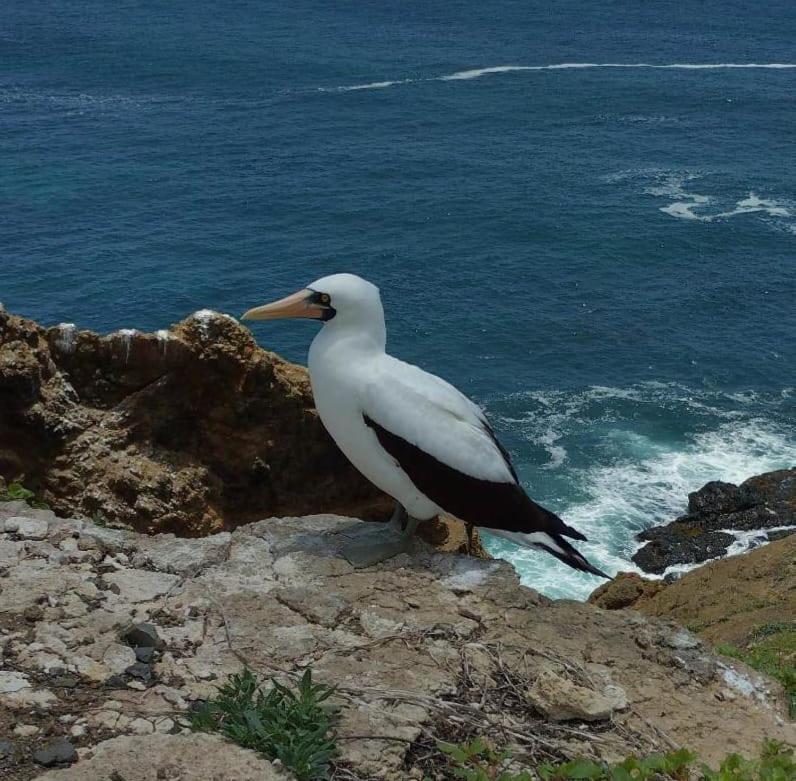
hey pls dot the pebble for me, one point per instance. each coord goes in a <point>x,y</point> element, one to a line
<point>140,670</point>
<point>144,653</point>
<point>7,748</point>
<point>12,682</point>
<point>26,730</point>
<point>27,528</point>
<point>144,636</point>
<point>55,751</point>
<point>141,727</point>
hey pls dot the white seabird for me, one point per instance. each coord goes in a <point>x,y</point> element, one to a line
<point>412,434</point>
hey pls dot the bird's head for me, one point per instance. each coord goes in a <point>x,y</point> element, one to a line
<point>338,297</point>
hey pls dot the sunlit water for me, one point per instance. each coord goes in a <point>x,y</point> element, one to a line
<point>582,215</point>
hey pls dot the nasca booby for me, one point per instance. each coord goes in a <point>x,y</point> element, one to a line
<point>412,434</point>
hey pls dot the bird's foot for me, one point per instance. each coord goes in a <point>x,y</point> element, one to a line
<point>365,553</point>
<point>368,546</point>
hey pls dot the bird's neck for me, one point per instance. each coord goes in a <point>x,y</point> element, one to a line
<point>348,336</point>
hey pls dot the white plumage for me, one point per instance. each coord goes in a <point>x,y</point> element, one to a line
<point>412,434</point>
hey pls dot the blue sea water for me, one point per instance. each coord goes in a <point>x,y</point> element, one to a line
<point>600,252</point>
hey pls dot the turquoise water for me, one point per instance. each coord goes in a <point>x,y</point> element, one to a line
<point>602,256</point>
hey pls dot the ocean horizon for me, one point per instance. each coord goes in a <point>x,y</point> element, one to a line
<point>589,228</point>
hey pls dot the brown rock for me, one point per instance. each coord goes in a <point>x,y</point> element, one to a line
<point>561,699</point>
<point>188,431</point>
<point>726,600</point>
<point>625,590</point>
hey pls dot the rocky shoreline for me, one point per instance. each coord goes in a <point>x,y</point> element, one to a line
<point>109,638</point>
<point>722,515</point>
<point>180,467</point>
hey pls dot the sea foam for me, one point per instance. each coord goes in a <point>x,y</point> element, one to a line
<point>637,480</point>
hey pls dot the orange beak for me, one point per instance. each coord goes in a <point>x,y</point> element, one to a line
<point>296,305</point>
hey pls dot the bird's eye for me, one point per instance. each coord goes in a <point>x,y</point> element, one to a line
<point>325,299</point>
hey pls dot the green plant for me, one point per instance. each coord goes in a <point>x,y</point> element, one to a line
<point>16,492</point>
<point>776,763</point>
<point>478,761</point>
<point>294,726</point>
<point>772,651</point>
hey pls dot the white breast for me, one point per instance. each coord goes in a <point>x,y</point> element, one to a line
<point>340,369</point>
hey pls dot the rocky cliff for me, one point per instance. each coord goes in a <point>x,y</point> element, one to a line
<point>109,638</point>
<point>721,515</point>
<point>189,430</point>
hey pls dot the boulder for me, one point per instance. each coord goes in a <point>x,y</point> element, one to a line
<point>765,502</point>
<point>624,590</point>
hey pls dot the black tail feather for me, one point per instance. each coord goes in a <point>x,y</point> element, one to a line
<point>570,556</point>
<point>556,525</point>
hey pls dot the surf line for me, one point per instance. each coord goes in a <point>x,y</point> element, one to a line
<point>476,73</point>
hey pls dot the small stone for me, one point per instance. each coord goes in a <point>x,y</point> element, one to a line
<point>682,640</point>
<point>144,653</point>
<point>26,730</point>
<point>141,727</point>
<point>12,681</point>
<point>118,658</point>
<point>27,528</point>
<point>7,749</point>
<point>140,670</point>
<point>137,685</point>
<point>143,636</point>
<point>65,681</point>
<point>55,751</point>
<point>78,730</point>
<point>165,725</point>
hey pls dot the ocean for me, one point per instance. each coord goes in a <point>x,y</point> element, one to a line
<point>581,214</point>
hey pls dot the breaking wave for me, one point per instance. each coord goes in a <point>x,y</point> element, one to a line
<point>686,204</point>
<point>628,477</point>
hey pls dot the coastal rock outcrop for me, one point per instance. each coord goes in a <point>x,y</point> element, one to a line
<point>189,430</point>
<point>725,601</point>
<point>716,514</point>
<point>108,638</point>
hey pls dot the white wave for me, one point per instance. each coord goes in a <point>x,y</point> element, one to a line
<point>638,491</point>
<point>369,85</point>
<point>477,73</point>
<point>558,453</point>
<point>694,206</point>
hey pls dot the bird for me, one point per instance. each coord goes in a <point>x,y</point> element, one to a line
<point>411,433</point>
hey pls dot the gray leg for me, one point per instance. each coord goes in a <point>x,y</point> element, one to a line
<point>375,543</point>
<point>398,517</point>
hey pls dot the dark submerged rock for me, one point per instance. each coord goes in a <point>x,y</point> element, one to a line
<point>763,502</point>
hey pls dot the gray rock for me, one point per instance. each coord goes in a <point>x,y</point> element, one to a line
<point>561,699</point>
<point>27,528</point>
<point>144,653</point>
<point>761,503</point>
<point>55,751</point>
<point>143,635</point>
<point>7,748</point>
<point>141,671</point>
<point>194,757</point>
